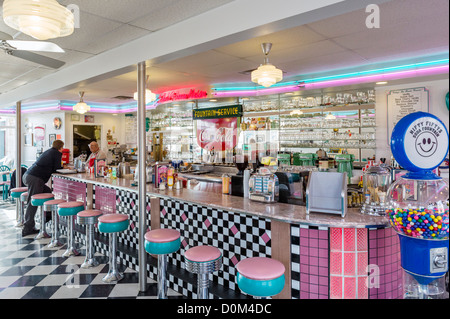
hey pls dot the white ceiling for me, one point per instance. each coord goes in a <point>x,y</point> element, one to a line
<point>410,30</point>
<point>104,24</point>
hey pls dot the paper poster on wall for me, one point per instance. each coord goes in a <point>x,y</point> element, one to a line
<point>404,102</point>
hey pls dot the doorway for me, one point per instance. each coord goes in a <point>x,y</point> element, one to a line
<point>82,136</point>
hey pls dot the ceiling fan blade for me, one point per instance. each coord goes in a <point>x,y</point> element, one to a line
<point>39,59</point>
<point>5,36</point>
<point>35,46</point>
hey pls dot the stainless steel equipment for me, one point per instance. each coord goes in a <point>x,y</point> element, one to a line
<point>80,164</point>
<point>264,186</point>
<point>123,169</point>
<point>377,180</point>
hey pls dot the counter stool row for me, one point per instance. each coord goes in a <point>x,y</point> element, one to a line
<point>259,276</point>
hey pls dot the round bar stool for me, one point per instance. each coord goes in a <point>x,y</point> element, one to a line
<point>89,218</point>
<point>39,200</point>
<point>203,260</point>
<point>162,242</point>
<point>112,224</point>
<point>16,193</point>
<point>69,210</point>
<point>52,206</point>
<point>260,277</point>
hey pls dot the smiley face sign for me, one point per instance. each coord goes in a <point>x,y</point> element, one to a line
<point>427,144</point>
<point>420,141</point>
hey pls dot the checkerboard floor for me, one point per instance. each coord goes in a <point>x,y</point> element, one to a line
<point>30,270</point>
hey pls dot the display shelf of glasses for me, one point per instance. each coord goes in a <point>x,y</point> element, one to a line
<point>178,132</point>
<point>344,121</point>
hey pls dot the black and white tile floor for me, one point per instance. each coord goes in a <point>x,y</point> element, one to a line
<point>30,270</point>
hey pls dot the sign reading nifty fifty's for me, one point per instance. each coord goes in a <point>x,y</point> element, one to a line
<point>218,112</point>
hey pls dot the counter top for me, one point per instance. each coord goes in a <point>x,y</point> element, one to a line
<point>203,196</point>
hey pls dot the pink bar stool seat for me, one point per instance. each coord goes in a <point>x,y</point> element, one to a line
<point>19,190</point>
<point>260,276</point>
<point>203,260</point>
<point>43,196</point>
<point>54,202</point>
<point>71,204</point>
<point>260,268</point>
<point>113,218</point>
<point>90,213</point>
<point>160,236</point>
<point>201,254</point>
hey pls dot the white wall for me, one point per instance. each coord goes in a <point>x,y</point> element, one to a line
<point>33,119</point>
<point>438,90</point>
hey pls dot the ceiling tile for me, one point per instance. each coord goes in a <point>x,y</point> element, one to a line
<point>176,12</point>
<point>280,41</point>
<point>123,11</point>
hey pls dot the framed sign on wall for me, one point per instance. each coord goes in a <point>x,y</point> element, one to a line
<point>403,102</point>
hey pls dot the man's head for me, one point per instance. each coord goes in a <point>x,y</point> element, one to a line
<point>93,146</point>
<point>59,145</point>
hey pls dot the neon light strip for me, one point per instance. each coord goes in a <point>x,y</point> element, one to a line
<point>369,72</point>
<point>276,90</point>
<point>342,82</point>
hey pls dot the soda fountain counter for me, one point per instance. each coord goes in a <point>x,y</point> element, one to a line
<point>326,256</point>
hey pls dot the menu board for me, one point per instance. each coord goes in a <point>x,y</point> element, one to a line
<point>131,129</point>
<point>404,102</point>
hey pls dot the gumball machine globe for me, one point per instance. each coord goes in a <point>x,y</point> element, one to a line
<point>418,205</point>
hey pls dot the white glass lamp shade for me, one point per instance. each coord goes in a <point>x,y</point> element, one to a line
<point>81,108</point>
<point>149,96</point>
<point>40,19</point>
<point>267,75</point>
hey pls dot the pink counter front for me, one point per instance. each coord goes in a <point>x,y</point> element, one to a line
<point>326,257</point>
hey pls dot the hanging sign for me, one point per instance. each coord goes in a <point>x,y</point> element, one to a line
<point>218,112</point>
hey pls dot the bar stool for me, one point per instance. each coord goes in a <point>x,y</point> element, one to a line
<point>16,193</point>
<point>112,224</point>
<point>203,260</point>
<point>39,200</point>
<point>260,277</point>
<point>69,210</point>
<point>89,218</point>
<point>162,242</point>
<point>52,206</point>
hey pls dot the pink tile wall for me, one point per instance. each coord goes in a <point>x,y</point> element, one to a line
<point>386,280</point>
<point>314,264</point>
<point>69,190</point>
<point>348,263</point>
<point>105,200</point>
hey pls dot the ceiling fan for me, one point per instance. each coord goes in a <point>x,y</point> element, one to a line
<point>21,49</point>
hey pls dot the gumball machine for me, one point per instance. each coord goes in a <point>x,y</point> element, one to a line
<point>418,204</point>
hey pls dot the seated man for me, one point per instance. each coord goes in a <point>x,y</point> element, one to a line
<point>96,153</point>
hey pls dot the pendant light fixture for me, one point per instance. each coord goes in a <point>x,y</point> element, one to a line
<point>149,95</point>
<point>81,107</point>
<point>40,19</point>
<point>267,74</point>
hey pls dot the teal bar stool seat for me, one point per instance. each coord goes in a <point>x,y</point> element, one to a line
<point>39,201</point>
<point>89,218</point>
<point>162,242</point>
<point>203,260</point>
<point>52,206</point>
<point>112,224</point>
<point>260,277</point>
<point>16,194</point>
<point>70,211</point>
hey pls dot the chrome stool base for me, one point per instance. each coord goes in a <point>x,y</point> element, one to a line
<point>114,275</point>
<point>43,232</point>
<point>90,263</point>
